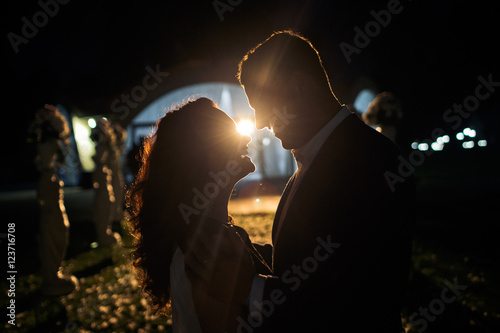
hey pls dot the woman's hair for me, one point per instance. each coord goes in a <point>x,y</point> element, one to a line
<point>103,133</point>
<point>49,124</point>
<point>174,162</point>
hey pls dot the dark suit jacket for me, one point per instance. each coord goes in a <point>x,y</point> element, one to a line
<point>343,253</point>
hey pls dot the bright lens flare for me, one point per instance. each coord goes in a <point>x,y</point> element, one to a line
<point>92,123</point>
<point>246,127</point>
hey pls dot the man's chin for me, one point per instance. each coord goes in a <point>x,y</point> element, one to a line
<point>285,142</point>
<point>286,146</point>
<point>290,141</point>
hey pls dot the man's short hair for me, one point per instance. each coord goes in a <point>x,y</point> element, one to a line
<point>273,60</point>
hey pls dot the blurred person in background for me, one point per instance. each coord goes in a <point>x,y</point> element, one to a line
<point>50,131</point>
<point>115,164</point>
<point>385,113</point>
<point>102,180</point>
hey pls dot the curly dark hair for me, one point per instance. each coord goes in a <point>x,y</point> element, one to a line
<point>174,161</point>
<point>49,123</point>
<point>385,109</point>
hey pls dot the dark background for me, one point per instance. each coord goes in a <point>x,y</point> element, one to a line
<point>430,56</point>
<point>90,52</point>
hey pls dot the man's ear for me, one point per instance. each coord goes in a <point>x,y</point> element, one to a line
<point>302,83</point>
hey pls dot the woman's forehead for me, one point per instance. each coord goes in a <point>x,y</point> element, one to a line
<point>216,125</point>
<point>223,118</point>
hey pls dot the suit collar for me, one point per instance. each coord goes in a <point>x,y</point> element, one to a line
<point>306,154</point>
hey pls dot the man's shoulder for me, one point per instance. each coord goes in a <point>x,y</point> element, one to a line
<point>357,142</point>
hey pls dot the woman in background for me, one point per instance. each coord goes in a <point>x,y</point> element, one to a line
<point>385,113</point>
<point>50,131</point>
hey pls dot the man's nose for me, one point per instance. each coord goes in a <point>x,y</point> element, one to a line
<point>260,124</point>
<point>261,121</point>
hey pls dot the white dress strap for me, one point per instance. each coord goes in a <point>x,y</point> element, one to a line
<point>184,317</point>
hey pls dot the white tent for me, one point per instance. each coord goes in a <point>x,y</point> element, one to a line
<point>271,159</point>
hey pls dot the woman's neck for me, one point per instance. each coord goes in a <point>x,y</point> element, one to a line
<point>218,212</point>
<point>218,207</point>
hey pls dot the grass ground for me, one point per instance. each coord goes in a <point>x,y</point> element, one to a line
<point>109,298</point>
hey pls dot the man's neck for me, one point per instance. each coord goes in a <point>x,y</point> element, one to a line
<point>310,149</point>
<point>326,109</point>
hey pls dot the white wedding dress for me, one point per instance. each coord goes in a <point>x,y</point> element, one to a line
<point>184,318</point>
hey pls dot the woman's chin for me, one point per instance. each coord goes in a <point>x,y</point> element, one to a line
<point>247,166</point>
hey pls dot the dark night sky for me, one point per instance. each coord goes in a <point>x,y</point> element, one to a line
<point>430,54</point>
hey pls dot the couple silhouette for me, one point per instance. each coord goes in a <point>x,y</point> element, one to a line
<point>341,235</point>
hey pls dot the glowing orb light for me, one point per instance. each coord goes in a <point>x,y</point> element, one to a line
<point>246,127</point>
<point>92,123</point>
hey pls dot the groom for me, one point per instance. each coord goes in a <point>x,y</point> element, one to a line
<point>341,235</point>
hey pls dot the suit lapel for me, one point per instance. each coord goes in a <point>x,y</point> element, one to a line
<point>332,150</point>
<point>281,204</point>
<point>314,177</point>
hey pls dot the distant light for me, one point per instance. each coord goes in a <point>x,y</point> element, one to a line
<point>440,140</point>
<point>482,143</point>
<point>414,145</point>
<point>468,144</point>
<point>266,141</point>
<point>363,99</point>
<point>246,127</point>
<point>257,200</point>
<point>466,130</point>
<point>423,147</point>
<point>436,146</point>
<point>85,147</point>
<point>92,123</point>
<point>460,136</point>
<point>472,133</point>
<point>94,245</point>
<point>445,138</point>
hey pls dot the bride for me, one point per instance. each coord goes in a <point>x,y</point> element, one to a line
<point>189,168</point>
